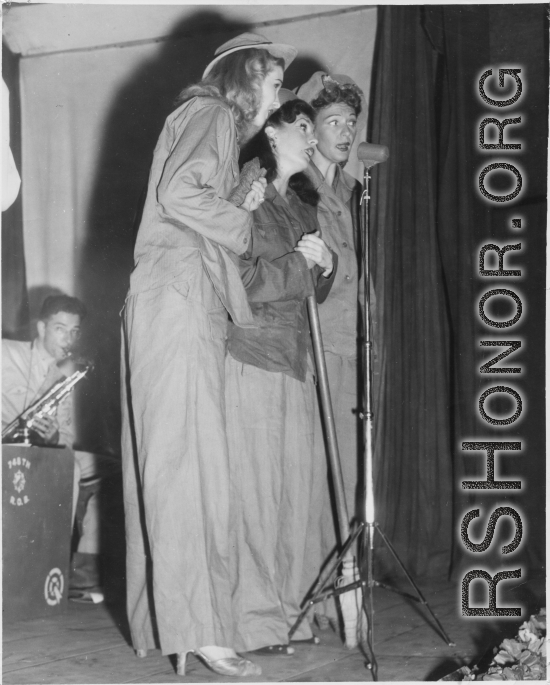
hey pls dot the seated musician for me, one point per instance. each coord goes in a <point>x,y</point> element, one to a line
<point>29,370</point>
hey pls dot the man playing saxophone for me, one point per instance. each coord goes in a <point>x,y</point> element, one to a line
<point>30,369</point>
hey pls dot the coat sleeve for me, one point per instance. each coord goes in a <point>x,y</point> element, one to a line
<point>186,190</point>
<point>322,285</point>
<point>285,278</point>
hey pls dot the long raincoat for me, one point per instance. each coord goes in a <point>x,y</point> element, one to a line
<point>270,421</point>
<point>174,446</point>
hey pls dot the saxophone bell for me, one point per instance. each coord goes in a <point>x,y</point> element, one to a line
<point>47,404</point>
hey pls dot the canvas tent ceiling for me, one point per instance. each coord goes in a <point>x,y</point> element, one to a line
<point>78,61</point>
<point>95,85</point>
<point>46,28</point>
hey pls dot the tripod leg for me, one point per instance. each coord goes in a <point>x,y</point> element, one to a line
<point>365,563</point>
<point>368,610</point>
<point>420,596</point>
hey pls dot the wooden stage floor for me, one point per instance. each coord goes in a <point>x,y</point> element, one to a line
<point>90,644</point>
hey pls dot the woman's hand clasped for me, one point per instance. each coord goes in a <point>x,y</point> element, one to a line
<point>255,195</point>
<point>315,251</point>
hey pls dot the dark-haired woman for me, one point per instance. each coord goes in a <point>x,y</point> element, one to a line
<point>270,393</point>
<point>184,283</point>
<point>337,102</point>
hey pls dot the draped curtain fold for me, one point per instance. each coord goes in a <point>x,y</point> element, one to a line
<point>460,35</point>
<point>471,39</point>
<point>413,464</point>
<point>428,222</point>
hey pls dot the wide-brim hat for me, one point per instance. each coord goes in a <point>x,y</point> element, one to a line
<point>253,40</point>
<point>321,80</point>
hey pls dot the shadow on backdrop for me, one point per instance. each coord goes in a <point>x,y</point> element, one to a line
<point>132,128</point>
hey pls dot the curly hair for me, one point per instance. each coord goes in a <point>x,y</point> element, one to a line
<point>260,147</point>
<point>238,80</point>
<point>336,93</point>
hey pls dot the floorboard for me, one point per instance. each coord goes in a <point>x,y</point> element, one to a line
<point>90,644</point>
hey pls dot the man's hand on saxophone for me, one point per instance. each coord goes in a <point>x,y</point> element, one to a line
<point>47,428</point>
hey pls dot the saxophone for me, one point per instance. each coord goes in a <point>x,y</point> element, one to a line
<point>18,430</point>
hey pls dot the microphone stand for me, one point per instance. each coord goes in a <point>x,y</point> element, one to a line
<point>349,604</point>
<point>365,528</point>
<point>369,524</point>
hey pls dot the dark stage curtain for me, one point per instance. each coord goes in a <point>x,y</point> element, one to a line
<point>460,38</point>
<point>412,458</point>
<point>429,221</point>
<point>469,40</point>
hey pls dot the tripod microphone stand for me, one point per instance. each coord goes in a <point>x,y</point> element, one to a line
<point>365,528</point>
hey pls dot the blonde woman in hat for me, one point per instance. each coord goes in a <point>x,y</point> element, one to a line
<point>270,394</point>
<point>337,102</point>
<point>184,284</point>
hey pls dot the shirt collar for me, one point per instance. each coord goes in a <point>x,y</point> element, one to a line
<point>342,183</point>
<point>272,194</point>
<point>347,181</point>
<point>291,206</point>
<point>315,176</point>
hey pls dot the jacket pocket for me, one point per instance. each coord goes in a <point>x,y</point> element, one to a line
<point>182,288</point>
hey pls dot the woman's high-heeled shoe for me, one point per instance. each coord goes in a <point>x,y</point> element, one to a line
<point>228,666</point>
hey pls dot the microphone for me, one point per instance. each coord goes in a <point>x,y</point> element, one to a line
<point>371,154</point>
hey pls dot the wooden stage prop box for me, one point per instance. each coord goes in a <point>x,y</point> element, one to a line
<point>37,491</point>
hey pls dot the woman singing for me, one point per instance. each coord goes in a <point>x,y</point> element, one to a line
<point>184,283</point>
<point>270,393</point>
<point>337,102</point>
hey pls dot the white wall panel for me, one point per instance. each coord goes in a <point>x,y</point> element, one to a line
<point>70,98</point>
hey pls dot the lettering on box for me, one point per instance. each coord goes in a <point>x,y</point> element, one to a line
<point>19,461</point>
<point>19,501</point>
